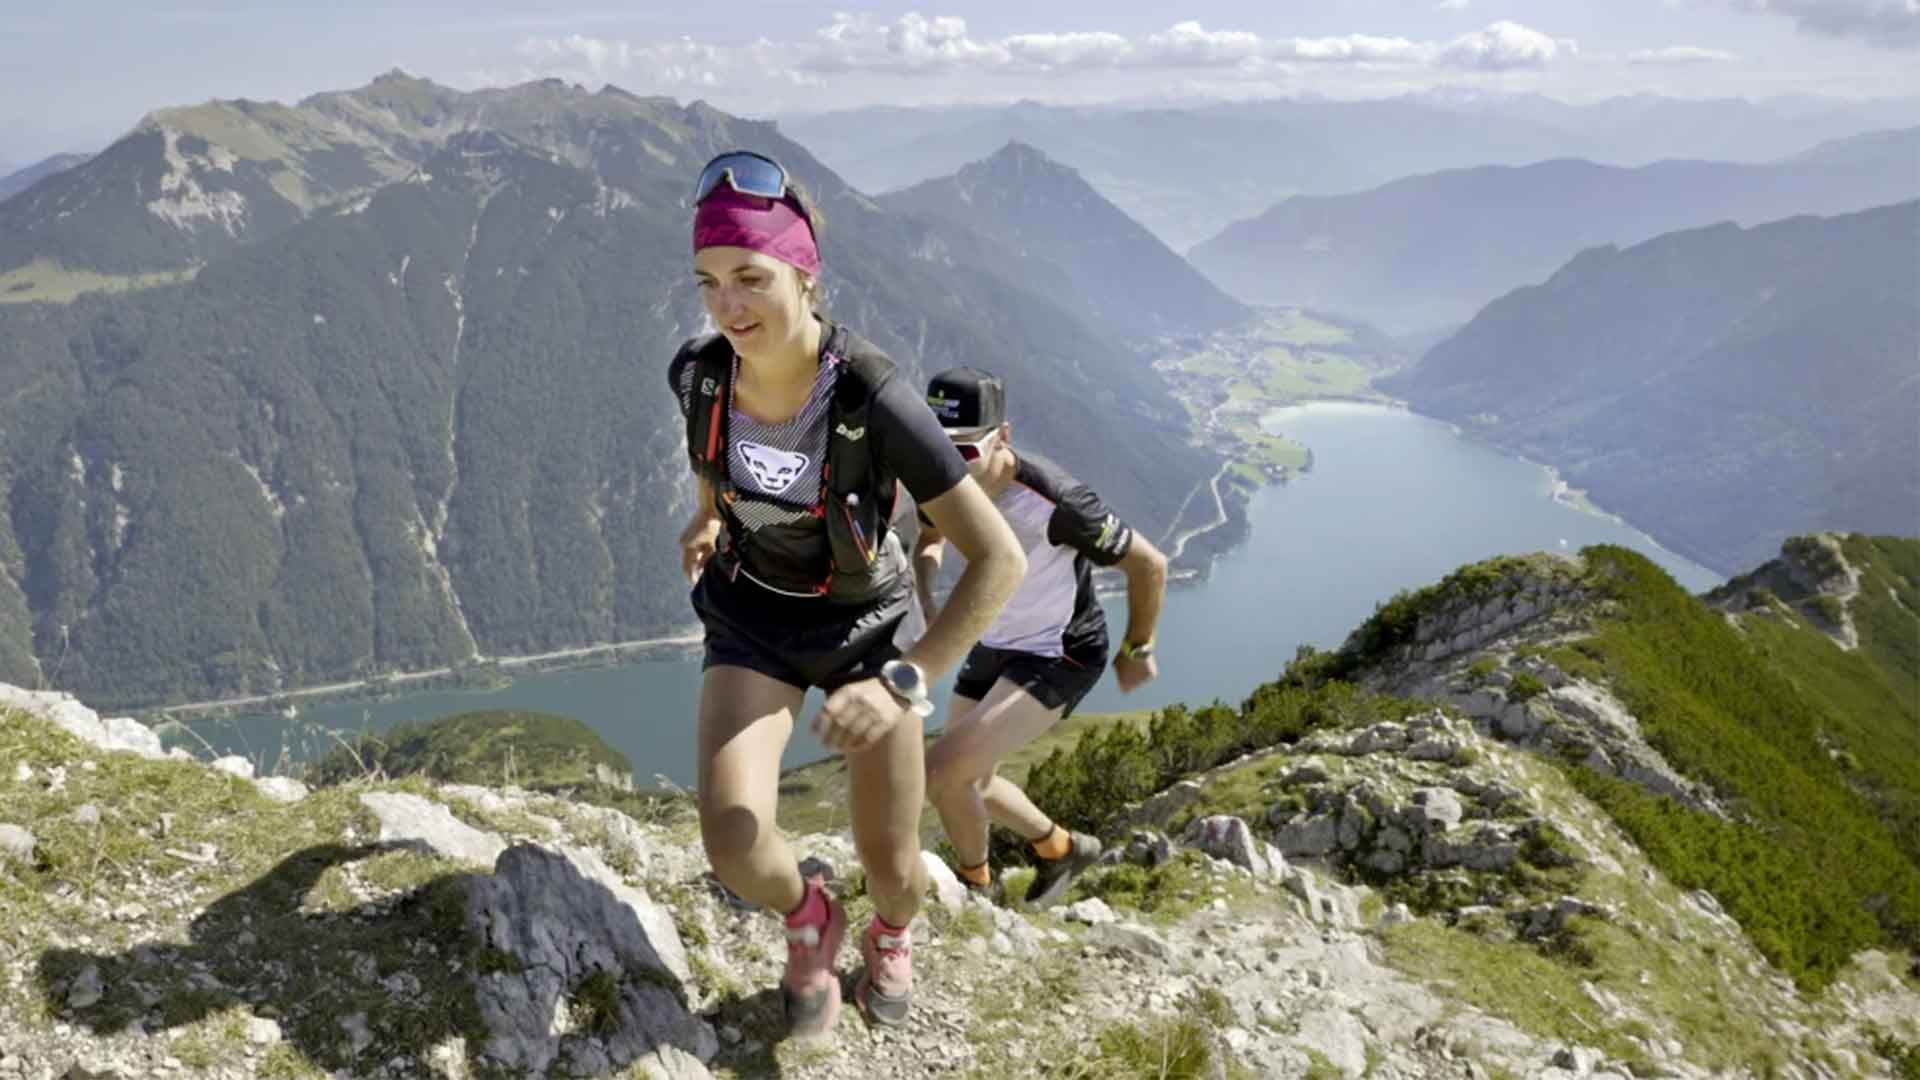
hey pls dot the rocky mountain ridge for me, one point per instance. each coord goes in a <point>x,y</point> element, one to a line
<point>1424,894</point>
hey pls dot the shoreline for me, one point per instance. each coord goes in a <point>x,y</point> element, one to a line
<point>479,674</point>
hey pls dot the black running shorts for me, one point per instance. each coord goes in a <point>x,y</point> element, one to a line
<point>1057,682</point>
<point>802,641</point>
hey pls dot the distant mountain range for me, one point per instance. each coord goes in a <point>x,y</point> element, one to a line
<point>1431,250</point>
<point>1186,173</point>
<point>1060,239</point>
<point>1724,388</point>
<point>404,405</point>
<point>15,180</point>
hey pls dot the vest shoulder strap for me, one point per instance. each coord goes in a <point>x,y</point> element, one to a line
<point>712,403</point>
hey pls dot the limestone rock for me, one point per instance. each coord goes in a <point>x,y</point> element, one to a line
<point>1148,848</point>
<point>947,888</point>
<point>1228,838</point>
<point>1132,938</point>
<point>1093,911</point>
<point>112,733</point>
<point>411,819</point>
<point>1161,808</point>
<point>281,789</point>
<point>1305,836</point>
<point>566,924</point>
<point>16,843</point>
<point>1434,809</point>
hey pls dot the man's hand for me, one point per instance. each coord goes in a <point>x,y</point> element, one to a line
<point>1133,674</point>
<point>696,545</point>
<point>858,715</point>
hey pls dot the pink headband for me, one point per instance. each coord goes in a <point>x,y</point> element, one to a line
<point>769,226</point>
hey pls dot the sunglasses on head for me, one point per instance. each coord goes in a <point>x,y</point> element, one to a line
<point>745,172</point>
<point>975,449</point>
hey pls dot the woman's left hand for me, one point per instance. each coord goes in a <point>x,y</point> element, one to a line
<point>857,715</point>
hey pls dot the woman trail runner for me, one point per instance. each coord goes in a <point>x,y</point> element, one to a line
<point>798,430</point>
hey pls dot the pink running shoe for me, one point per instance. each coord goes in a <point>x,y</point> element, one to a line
<point>810,988</point>
<point>886,987</point>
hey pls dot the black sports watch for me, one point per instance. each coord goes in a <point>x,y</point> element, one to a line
<point>909,684</point>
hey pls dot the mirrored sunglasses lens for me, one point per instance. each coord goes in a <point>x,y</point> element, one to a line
<point>745,173</point>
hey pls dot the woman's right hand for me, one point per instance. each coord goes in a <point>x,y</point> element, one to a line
<point>697,542</point>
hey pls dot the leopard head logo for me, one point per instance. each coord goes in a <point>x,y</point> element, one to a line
<point>773,469</point>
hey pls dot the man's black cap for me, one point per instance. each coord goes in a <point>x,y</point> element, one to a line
<point>967,401</point>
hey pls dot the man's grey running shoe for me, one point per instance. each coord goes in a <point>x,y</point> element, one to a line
<point>1052,877</point>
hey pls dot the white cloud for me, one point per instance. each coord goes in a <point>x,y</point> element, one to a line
<point>1188,44</point>
<point>1891,23</point>
<point>912,42</point>
<point>1680,54</point>
<point>858,44</point>
<point>1503,46</point>
<point>1077,50</point>
<point>1355,48</point>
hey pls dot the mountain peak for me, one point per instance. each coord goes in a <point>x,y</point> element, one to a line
<point>1016,163</point>
<point>1016,150</point>
<point>1055,225</point>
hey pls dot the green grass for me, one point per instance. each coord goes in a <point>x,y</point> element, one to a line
<point>1246,475</point>
<point>1002,1009</point>
<point>1168,892</point>
<point>46,281</point>
<point>1538,995</point>
<point>279,873</point>
<point>1184,1046</point>
<point>1525,685</point>
<point>1319,1068</point>
<point>1294,377</point>
<point>540,751</point>
<point>1294,326</point>
<point>1812,859</point>
<point>1272,450</point>
<point>1277,375</point>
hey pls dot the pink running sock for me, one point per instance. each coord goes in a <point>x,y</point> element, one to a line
<point>812,910</point>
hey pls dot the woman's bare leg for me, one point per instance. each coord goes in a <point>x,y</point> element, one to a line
<point>888,781</point>
<point>745,721</point>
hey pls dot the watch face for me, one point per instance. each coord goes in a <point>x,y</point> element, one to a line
<point>904,676</point>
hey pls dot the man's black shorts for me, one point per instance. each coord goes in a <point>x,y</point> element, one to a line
<point>802,641</point>
<point>1057,682</point>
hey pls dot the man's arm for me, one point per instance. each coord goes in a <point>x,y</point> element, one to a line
<point>1146,570</point>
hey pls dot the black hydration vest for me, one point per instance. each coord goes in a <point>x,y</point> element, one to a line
<point>857,495</point>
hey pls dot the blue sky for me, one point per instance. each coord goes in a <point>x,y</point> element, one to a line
<point>76,74</point>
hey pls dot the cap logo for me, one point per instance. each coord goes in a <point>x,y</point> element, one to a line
<point>944,407</point>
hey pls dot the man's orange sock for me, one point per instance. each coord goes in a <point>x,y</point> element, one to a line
<point>1055,845</point>
<point>979,877</point>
